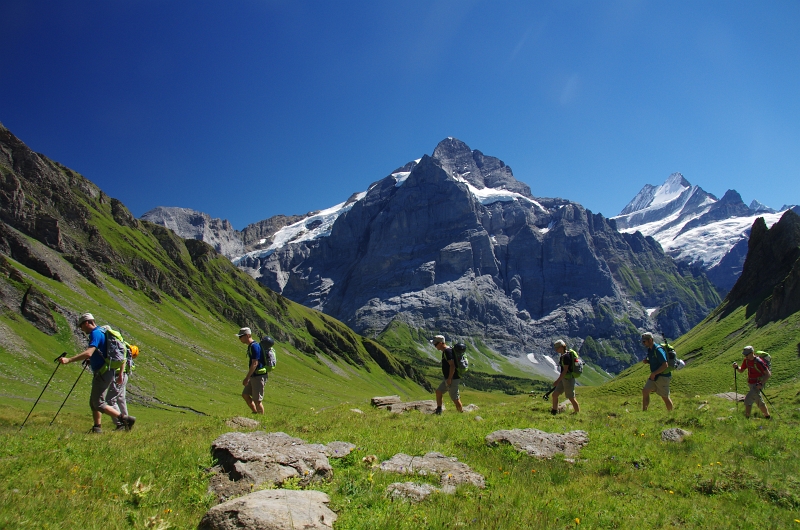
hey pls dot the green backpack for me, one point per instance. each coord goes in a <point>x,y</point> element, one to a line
<point>575,363</point>
<point>116,351</point>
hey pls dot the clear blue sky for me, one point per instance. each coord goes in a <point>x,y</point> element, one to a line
<point>251,108</point>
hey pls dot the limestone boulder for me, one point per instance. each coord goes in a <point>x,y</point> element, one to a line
<point>541,444</point>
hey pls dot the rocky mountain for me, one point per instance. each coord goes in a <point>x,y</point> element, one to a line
<point>219,233</point>
<point>454,243</point>
<point>696,228</point>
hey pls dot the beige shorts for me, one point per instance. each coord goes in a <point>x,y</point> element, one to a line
<point>754,396</point>
<point>566,387</point>
<point>255,387</point>
<point>452,389</point>
<point>660,386</point>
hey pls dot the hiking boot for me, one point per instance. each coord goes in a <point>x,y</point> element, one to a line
<point>97,429</point>
<point>120,427</point>
<point>554,412</point>
<point>438,411</point>
<point>127,422</point>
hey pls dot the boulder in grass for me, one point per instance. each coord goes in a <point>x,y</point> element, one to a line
<point>248,459</point>
<point>240,422</point>
<point>674,435</point>
<point>541,444</point>
<point>272,509</point>
<point>411,490</point>
<point>450,471</point>
<point>384,401</point>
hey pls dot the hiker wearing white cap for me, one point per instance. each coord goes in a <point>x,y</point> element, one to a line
<point>757,375</point>
<point>97,355</point>
<point>256,378</point>
<point>660,375</point>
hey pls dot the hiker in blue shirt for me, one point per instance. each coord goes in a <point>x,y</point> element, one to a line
<point>103,376</point>
<point>660,375</point>
<point>256,378</point>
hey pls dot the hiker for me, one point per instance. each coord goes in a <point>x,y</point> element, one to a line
<point>451,376</point>
<point>103,378</point>
<point>117,395</point>
<point>256,378</point>
<point>660,375</point>
<point>757,375</point>
<point>565,384</point>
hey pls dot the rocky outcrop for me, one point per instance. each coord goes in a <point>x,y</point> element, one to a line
<point>770,280</point>
<point>246,460</point>
<point>272,510</point>
<point>394,404</point>
<point>450,471</point>
<point>541,444</point>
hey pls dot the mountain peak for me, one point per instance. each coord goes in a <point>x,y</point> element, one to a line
<point>482,171</point>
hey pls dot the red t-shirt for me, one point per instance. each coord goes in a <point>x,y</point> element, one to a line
<point>755,369</point>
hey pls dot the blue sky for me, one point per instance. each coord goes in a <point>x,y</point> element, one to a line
<point>253,108</point>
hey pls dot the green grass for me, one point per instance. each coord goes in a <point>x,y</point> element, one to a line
<point>731,473</point>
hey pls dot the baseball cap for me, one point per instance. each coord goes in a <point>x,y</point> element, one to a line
<point>85,318</point>
<point>437,339</point>
<point>244,331</point>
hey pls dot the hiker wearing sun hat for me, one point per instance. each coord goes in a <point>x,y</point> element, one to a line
<point>256,379</point>
<point>103,379</point>
<point>757,375</point>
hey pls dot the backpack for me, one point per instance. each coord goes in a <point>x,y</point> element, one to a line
<point>132,352</point>
<point>767,358</point>
<point>672,356</point>
<point>115,349</point>
<point>460,354</point>
<point>268,353</point>
<point>575,363</point>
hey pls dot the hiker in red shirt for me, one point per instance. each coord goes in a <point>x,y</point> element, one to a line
<point>757,375</point>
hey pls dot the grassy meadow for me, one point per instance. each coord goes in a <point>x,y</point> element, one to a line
<point>730,473</point>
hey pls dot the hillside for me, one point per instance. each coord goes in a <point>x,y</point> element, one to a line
<point>66,247</point>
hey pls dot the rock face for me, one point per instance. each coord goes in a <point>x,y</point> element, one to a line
<point>250,459</point>
<point>454,243</point>
<point>219,233</point>
<point>541,444</point>
<point>272,510</point>
<point>191,224</point>
<point>771,273</point>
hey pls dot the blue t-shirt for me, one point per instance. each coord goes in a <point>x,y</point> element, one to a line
<point>97,340</point>
<point>657,357</point>
<point>254,354</point>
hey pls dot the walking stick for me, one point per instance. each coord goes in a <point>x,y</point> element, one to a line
<point>770,404</point>
<point>736,388</point>
<point>547,395</point>
<point>85,364</point>
<point>45,388</point>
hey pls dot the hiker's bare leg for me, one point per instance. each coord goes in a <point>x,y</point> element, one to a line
<point>555,395</point>
<point>458,405</point>
<point>259,407</point>
<point>575,407</point>
<point>249,401</point>
<point>747,409</point>
<point>764,410</point>
<point>667,402</point>
<point>645,399</point>
<point>439,397</point>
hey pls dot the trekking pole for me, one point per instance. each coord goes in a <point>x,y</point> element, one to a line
<point>736,389</point>
<point>547,395</point>
<point>57,360</point>
<point>774,411</point>
<point>85,364</point>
